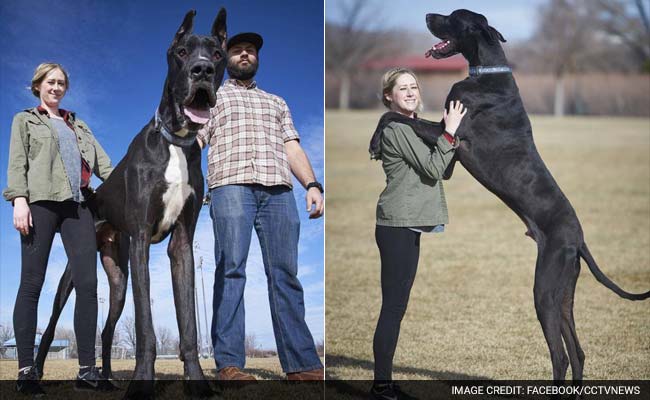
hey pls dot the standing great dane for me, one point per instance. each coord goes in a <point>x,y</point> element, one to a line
<point>157,190</point>
<point>497,148</point>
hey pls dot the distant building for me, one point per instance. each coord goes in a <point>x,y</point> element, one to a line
<point>59,349</point>
<point>423,67</point>
<point>436,76</point>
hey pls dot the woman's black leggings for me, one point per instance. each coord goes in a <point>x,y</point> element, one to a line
<point>75,222</point>
<point>399,249</point>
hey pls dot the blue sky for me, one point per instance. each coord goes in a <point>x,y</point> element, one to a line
<point>515,19</point>
<point>115,55</point>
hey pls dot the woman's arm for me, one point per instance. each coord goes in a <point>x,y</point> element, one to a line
<point>103,167</point>
<point>426,161</point>
<point>17,191</point>
<point>18,161</point>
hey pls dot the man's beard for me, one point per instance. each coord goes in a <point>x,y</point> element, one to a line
<point>242,73</point>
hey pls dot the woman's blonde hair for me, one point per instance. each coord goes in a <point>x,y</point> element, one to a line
<point>41,72</point>
<point>389,79</point>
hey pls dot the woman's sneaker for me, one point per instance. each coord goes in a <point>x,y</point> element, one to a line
<point>388,391</point>
<point>89,378</point>
<point>27,382</point>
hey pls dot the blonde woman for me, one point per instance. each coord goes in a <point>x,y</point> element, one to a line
<point>412,202</point>
<point>52,155</point>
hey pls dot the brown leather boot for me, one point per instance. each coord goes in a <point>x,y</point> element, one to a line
<point>313,375</point>
<point>234,374</point>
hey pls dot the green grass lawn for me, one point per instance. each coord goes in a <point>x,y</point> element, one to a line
<point>471,312</point>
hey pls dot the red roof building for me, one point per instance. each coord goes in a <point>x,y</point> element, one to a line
<point>420,64</point>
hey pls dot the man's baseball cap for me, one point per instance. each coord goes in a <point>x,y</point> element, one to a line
<point>250,37</point>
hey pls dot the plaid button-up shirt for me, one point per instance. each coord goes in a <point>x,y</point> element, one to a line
<point>246,132</point>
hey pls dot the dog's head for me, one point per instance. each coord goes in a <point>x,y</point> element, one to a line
<point>196,66</point>
<point>461,32</point>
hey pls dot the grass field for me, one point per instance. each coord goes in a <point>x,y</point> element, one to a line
<point>471,312</point>
<point>262,368</point>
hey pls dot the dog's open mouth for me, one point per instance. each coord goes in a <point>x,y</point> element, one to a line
<point>443,49</point>
<point>197,107</point>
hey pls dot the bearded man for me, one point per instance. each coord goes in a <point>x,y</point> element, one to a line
<point>254,148</point>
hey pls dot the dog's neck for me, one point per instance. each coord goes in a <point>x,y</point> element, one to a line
<point>166,121</point>
<point>186,141</point>
<point>487,55</point>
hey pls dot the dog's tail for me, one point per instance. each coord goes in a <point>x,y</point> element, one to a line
<point>600,277</point>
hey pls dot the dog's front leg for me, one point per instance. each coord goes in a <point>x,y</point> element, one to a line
<point>181,257</point>
<point>142,384</point>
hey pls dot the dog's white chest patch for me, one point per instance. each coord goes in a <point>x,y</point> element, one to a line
<point>178,190</point>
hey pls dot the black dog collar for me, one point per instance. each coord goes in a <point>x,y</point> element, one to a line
<point>171,138</point>
<point>495,69</point>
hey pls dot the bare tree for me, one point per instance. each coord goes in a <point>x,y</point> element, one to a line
<point>251,346</point>
<point>353,41</point>
<point>6,333</point>
<point>564,34</point>
<point>626,20</point>
<point>65,333</point>
<point>165,340</point>
<point>127,328</point>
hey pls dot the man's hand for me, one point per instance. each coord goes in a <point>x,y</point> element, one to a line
<point>302,170</point>
<point>315,204</point>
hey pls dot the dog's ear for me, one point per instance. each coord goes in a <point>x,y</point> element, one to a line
<point>219,27</point>
<point>186,27</point>
<point>497,34</point>
<point>491,35</point>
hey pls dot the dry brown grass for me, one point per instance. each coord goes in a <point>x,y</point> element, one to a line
<point>262,368</point>
<point>169,371</point>
<point>471,312</point>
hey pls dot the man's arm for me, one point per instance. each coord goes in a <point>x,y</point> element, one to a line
<point>303,171</point>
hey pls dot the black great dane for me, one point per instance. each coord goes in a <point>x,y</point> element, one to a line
<point>497,148</point>
<point>157,190</point>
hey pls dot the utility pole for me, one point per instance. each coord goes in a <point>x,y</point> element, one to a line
<point>198,317</point>
<point>205,312</point>
<point>101,321</point>
<point>196,304</point>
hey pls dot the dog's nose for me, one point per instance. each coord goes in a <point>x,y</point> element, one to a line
<point>202,70</point>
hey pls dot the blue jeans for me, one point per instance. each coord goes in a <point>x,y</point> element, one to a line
<point>235,211</point>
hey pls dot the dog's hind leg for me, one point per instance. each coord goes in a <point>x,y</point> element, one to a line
<point>62,294</point>
<point>114,255</point>
<point>550,286</point>
<point>576,355</point>
<point>182,268</point>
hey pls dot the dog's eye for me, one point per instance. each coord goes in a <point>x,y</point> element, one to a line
<point>182,52</point>
<point>216,56</point>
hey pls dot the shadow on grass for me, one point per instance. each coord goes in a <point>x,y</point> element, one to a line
<point>334,361</point>
<point>359,389</point>
<point>263,374</point>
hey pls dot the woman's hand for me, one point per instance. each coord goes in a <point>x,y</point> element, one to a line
<point>452,118</point>
<point>22,216</point>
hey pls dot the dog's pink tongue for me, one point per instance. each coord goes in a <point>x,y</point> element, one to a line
<point>197,116</point>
